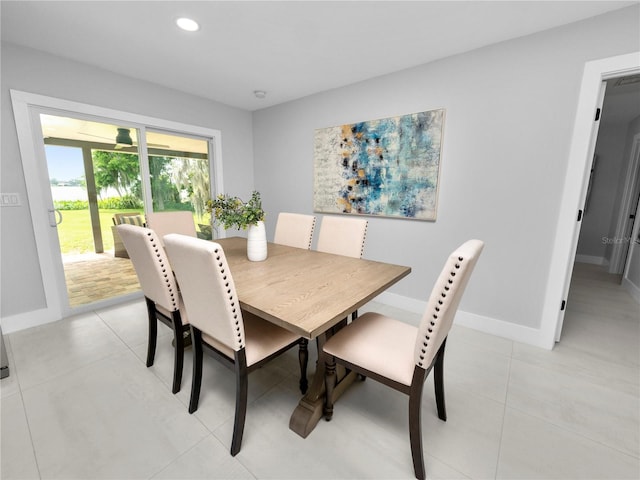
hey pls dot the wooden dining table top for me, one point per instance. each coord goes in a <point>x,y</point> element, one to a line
<point>305,291</point>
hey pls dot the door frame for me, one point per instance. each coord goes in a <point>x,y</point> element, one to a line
<point>26,110</point>
<point>575,187</point>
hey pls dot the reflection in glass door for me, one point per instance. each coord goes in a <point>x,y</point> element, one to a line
<point>94,175</point>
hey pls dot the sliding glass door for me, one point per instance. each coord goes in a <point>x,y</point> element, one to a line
<point>96,176</point>
<point>27,111</point>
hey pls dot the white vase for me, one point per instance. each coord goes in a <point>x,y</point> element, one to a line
<point>257,243</point>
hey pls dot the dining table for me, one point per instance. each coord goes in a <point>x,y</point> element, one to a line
<point>309,293</point>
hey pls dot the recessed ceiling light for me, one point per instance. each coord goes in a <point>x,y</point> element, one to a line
<point>260,93</point>
<point>188,24</point>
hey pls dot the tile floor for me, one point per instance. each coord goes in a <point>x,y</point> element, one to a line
<point>80,404</point>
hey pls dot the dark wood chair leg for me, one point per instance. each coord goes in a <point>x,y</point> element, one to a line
<point>330,382</point>
<point>153,331</point>
<point>438,382</point>
<point>178,358</point>
<point>196,377</point>
<point>241,401</point>
<point>303,356</point>
<point>415,429</point>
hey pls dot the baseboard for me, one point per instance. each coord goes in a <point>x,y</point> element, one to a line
<point>632,288</point>
<point>592,259</point>
<point>400,301</point>
<point>500,328</point>
<point>492,326</point>
<point>21,321</point>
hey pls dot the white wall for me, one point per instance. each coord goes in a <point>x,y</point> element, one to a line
<point>510,112</point>
<point>36,72</point>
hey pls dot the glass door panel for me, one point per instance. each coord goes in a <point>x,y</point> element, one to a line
<point>94,174</point>
<point>179,171</point>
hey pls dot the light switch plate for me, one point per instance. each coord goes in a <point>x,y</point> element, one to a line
<point>10,200</point>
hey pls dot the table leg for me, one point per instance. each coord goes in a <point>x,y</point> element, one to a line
<point>310,408</point>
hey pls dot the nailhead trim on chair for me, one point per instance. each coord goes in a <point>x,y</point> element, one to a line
<point>425,342</point>
<point>154,244</point>
<point>231,299</point>
<point>313,226</point>
<point>364,237</point>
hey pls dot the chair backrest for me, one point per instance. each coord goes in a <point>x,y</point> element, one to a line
<point>294,230</point>
<point>444,300</point>
<point>207,288</point>
<point>151,264</point>
<point>130,218</point>
<point>342,236</point>
<point>171,222</point>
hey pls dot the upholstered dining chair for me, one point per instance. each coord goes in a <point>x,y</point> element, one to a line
<point>342,236</point>
<point>161,294</point>
<point>240,340</point>
<point>401,355</point>
<point>171,222</point>
<point>294,230</point>
<point>134,218</point>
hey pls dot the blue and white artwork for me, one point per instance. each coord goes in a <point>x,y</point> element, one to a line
<point>387,167</point>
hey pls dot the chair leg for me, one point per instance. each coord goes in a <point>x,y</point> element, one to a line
<point>153,331</point>
<point>241,401</point>
<point>330,382</point>
<point>303,356</point>
<point>196,377</point>
<point>415,430</point>
<point>438,382</point>
<point>178,358</point>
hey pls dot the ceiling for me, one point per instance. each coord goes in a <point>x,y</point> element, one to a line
<point>59,130</point>
<point>287,49</point>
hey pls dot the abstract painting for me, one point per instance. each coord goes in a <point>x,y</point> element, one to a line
<point>387,167</point>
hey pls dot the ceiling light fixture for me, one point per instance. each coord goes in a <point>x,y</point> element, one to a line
<point>188,24</point>
<point>260,93</point>
<point>123,137</point>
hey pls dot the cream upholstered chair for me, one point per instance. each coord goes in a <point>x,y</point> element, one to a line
<point>171,222</point>
<point>240,340</point>
<point>164,302</point>
<point>132,218</point>
<point>294,230</point>
<point>342,236</point>
<point>400,355</point>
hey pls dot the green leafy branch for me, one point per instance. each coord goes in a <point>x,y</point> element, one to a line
<point>233,212</point>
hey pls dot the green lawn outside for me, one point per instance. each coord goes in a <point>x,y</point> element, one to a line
<point>75,230</point>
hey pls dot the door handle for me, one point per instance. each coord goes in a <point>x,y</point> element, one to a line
<point>52,217</point>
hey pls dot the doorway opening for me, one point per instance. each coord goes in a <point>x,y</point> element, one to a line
<point>604,261</point>
<point>575,188</point>
<point>614,185</point>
